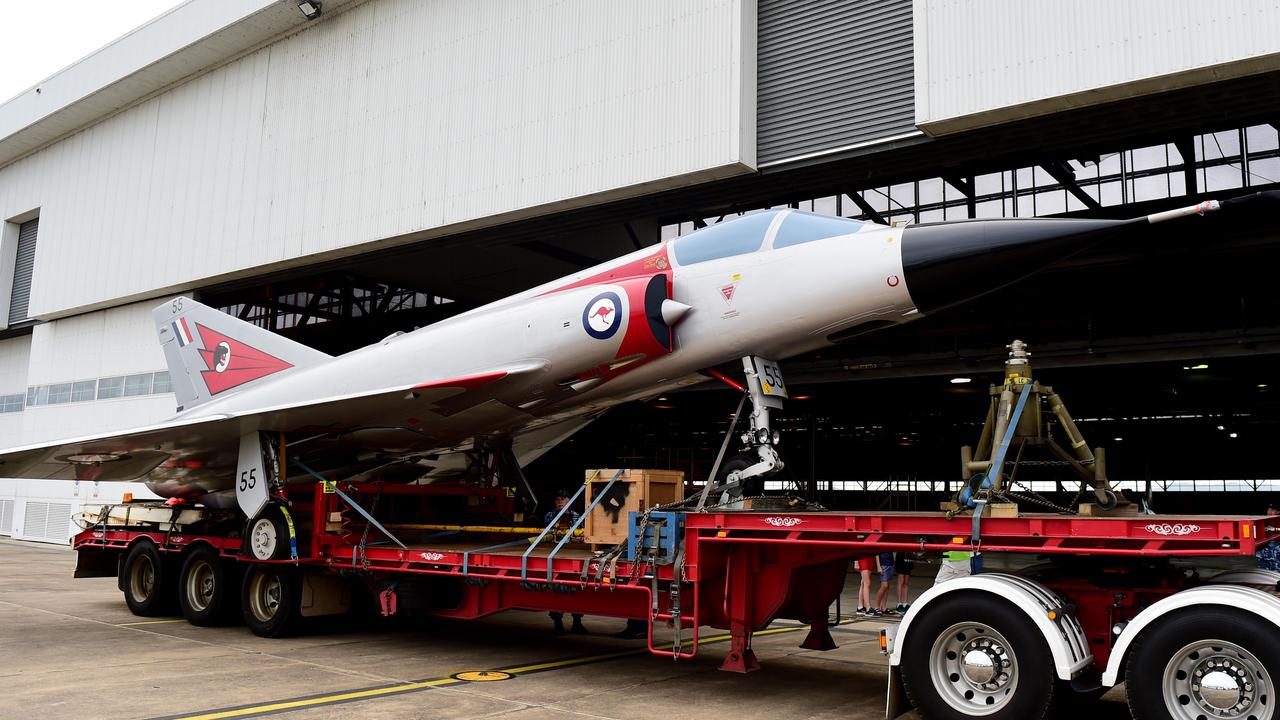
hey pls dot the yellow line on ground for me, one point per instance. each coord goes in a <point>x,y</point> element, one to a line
<point>370,693</point>
<point>323,700</point>
<point>149,622</point>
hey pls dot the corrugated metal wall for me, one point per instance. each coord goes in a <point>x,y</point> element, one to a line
<point>980,63</point>
<point>20,295</point>
<point>832,73</point>
<point>394,117</point>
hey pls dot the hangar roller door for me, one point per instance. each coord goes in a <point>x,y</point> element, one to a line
<point>20,297</point>
<point>831,74</point>
<point>6,516</point>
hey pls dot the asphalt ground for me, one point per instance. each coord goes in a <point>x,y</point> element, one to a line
<point>71,649</point>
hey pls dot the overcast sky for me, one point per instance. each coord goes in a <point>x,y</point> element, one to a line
<point>43,36</point>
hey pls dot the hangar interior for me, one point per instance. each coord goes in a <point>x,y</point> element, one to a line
<point>1164,346</point>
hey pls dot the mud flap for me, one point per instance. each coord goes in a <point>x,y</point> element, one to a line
<point>896,703</point>
<point>96,562</point>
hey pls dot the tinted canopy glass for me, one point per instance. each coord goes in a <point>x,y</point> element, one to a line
<point>802,227</point>
<point>725,239</point>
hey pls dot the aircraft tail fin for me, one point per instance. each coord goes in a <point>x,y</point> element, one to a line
<point>211,353</point>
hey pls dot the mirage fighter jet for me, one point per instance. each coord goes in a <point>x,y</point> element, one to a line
<point>517,376</point>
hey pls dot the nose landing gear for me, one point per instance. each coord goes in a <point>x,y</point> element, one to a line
<point>742,475</point>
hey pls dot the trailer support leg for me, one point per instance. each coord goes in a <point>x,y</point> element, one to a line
<point>819,637</point>
<point>741,658</point>
<point>738,605</point>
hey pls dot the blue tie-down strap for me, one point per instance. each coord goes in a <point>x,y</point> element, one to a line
<point>997,460</point>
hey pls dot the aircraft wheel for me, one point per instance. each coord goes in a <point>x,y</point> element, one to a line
<point>1206,662</point>
<point>977,656</point>
<point>734,463</point>
<point>269,600</point>
<point>269,536</point>
<point>205,591</point>
<point>148,591</point>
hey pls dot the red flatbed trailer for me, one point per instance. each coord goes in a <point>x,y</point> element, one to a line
<point>740,570</point>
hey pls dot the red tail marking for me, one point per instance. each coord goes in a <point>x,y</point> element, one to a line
<point>245,363</point>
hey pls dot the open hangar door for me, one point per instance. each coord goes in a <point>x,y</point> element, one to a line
<point>1165,348</point>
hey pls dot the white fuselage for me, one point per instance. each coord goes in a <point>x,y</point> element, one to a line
<point>775,302</point>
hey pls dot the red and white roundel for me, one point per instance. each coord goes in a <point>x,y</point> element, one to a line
<point>602,316</point>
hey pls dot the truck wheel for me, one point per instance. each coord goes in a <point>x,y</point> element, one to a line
<point>1205,662</point>
<point>148,591</point>
<point>269,600</point>
<point>205,592</point>
<point>269,536</point>
<point>977,656</point>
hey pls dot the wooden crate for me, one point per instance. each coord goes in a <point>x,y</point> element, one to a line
<point>635,491</point>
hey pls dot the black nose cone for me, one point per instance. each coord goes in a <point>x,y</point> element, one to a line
<point>949,263</point>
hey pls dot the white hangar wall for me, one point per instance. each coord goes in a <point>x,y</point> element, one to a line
<point>394,118</point>
<point>96,354</point>
<point>984,62</point>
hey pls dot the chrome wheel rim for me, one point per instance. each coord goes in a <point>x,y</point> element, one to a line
<point>974,668</point>
<point>200,586</point>
<point>264,596</point>
<point>1217,679</point>
<point>263,539</point>
<point>142,579</point>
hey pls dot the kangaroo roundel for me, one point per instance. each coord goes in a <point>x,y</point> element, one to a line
<point>602,316</point>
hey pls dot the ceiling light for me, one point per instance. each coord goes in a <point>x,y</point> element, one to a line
<point>1234,435</point>
<point>960,380</point>
<point>310,9</point>
<point>1262,386</point>
<point>801,397</point>
<point>1201,366</point>
<point>1117,439</point>
<point>1222,427</point>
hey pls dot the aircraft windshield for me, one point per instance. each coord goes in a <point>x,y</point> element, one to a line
<point>724,239</point>
<point>802,227</point>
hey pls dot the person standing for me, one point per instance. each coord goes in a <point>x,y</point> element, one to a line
<point>570,517</point>
<point>903,565</point>
<point>866,566</point>
<point>884,565</point>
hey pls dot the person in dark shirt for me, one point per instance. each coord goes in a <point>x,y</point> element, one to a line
<point>903,565</point>
<point>566,521</point>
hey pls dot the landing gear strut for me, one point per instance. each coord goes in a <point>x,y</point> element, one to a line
<point>743,474</point>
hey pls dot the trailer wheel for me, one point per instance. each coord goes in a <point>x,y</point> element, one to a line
<point>1205,662</point>
<point>269,536</point>
<point>977,656</point>
<point>269,600</point>
<point>205,591</point>
<point>148,591</point>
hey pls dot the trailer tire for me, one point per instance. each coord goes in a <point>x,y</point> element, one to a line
<point>977,656</point>
<point>206,590</point>
<point>148,590</point>
<point>269,600</point>
<point>1240,648</point>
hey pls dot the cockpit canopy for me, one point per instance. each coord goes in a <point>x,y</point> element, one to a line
<point>748,234</point>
